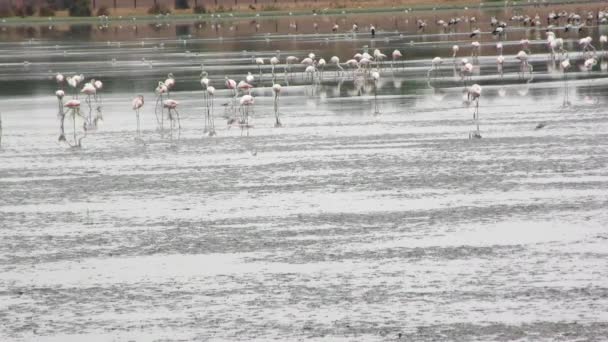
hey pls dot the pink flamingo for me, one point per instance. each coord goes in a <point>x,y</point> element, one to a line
<point>244,87</point>
<point>74,108</point>
<point>60,79</point>
<point>136,104</point>
<point>160,90</point>
<point>173,114</point>
<point>231,84</point>
<point>396,55</point>
<point>169,83</point>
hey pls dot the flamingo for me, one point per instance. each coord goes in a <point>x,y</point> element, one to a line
<point>379,57</point>
<point>435,63</point>
<point>246,102</point>
<point>466,70</point>
<point>375,78</point>
<point>336,60</point>
<point>276,89</point>
<point>455,49</point>
<point>565,64</point>
<point>169,83</point>
<point>499,48</point>
<point>475,49</point>
<point>365,63</point>
<point>231,84</point>
<point>352,63</point>
<point>273,61</point>
<point>210,105</point>
<point>289,61</point>
<point>61,115</point>
<point>321,64</point>
<point>522,56</point>
<point>74,108</point>
<point>396,55</point>
<point>249,78</point>
<point>160,90</point>
<point>585,43</point>
<point>473,94</point>
<point>259,61</point>
<point>89,90</point>
<point>500,60</point>
<point>136,104</point>
<point>73,83</point>
<point>173,114</point>
<point>60,79</point>
<point>244,87</point>
<point>310,71</point>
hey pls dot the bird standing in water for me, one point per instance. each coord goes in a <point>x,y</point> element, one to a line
<point>372,29</point>
<point>473,94</point>
<point>137,103</point>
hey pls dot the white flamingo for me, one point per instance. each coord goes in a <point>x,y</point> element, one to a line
<point>136,104</point>
<point>61,114</point>
<point>259,62</point>
<point>336,60</point>
<point>435,63</point>
<point>247,101</point>
<point>473,94</point>
<point>276,89</point>
<point>455,50</point>
<point>210,106</point>
<point>376,78</point>
<point>524,65</point>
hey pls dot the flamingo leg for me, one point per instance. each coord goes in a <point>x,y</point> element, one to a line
<point>138,127</point>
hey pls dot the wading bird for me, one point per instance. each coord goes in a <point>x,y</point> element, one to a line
<point>375,79</point>
<point>136,104</point>
<point>473,94</point>
<point>276,89</point>
<point>173,114</point>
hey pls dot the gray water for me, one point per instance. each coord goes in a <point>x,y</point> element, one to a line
<point>341,225</point>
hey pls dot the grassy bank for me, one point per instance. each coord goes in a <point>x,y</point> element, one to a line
<point>302,10</point>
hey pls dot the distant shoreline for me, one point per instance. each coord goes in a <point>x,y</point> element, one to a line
<point>180,16</point>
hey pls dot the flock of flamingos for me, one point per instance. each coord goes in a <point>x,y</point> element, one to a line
<point>364,67</point>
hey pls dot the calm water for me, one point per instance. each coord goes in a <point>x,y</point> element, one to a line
<point>344,226</point>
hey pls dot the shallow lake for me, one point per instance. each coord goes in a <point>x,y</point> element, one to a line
<point>344,224</point>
